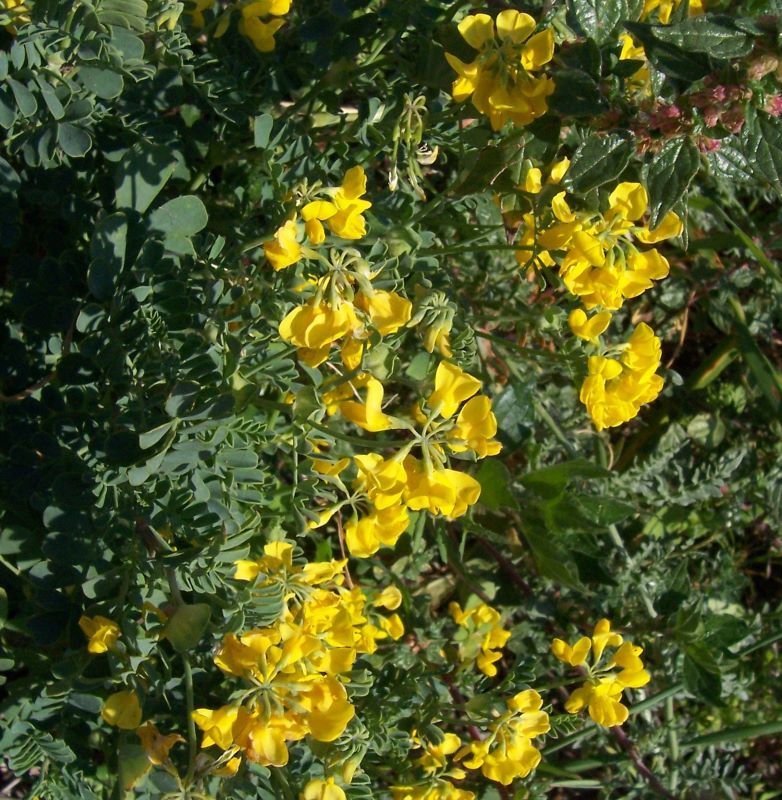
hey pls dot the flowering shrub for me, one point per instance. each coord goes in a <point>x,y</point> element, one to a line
<point>357,356</point>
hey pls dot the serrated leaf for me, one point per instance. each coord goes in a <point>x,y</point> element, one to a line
<point>599,160</point>
<point>715,35</point>
<point>576,94</point>
<point>669,176</point>
<point>762,146</point>
<point>597,19</point>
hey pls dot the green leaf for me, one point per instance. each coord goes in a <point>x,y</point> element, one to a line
<point>701,674</point>
<point>143,171</point>
<point>495,478</point>
<point>262,128</point>
<point>713,34</point>
<point>762,146</point>
<point>551,560</point>
<point>187,626</point>
<point>152,437</point>
<point>576,94</point>
<point>550,481</point>
<point>108,247</point>
<point>181,217</point>
<point>3,607</point>
<point>670,173</point>
<point>604,511</point>
<point>599,160</point>
<point>731,735</point>
<point>25,99</point>
<point>75,141</point>
<point>102,82</point>
<point>132,761</point>
<point>597,19</point>
<point>670,59</point>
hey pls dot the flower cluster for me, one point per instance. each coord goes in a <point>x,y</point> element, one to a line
<point>508,752</point>
<point>436,773</point>
<point>483,636</point>
<point>293,668</point>
<point>501,79</point>
<point>615,389</point>
<point>600,262</point>
<point>601,693</point>
<point>343,305</point>
<point>259,21</point>
<point>384,489</point>
<point>663,9</point>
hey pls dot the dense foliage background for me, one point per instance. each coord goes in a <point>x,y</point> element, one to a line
<point>156,427</point>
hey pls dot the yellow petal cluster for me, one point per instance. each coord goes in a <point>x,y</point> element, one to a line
<point>601,693</point>
<point>483,637</point>
<point>385,488</point>
<point>123,710</point>
<point>260,21</point>
<point>615,389</point>
<point>602,264</point>
<point>294,667</point>
<point>664,9</point>
<point>343,306</point>
<point>101,632</point>
<point>508,752</point>
<point>501,80</point>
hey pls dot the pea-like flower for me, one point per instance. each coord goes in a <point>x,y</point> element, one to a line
<point>501,80</point>
<point>601,693</point>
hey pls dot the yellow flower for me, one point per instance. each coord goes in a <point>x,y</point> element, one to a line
<point>221,726</point>
<point>500,80</point>
<point>483,625</point>
<point>348,221</point>
<point>368,415</point>
<point>390,598</point>
<point>614,391</point>
<point>316,325</point>
<point>393,626</point>
<point>196,10</point>
<point>155,745</point>
<point>382,528</point>
<point>509,753</point>
<point>260,33</point>
<point>440,491</point>
<point>319,789</point>
<point>602,701</point>
<point>601,693</point>
<point>452,386</point>
<point>101,632</point>
<point>384,481</point>
<point>665,8</point>
<point>329,709</point>
<point>285,249</point>
<point>388,311</point>
<point>123,710</point>
<point>475,428</point>
<point>588,327</point>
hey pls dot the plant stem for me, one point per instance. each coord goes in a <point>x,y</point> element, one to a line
<point>191,730</point>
